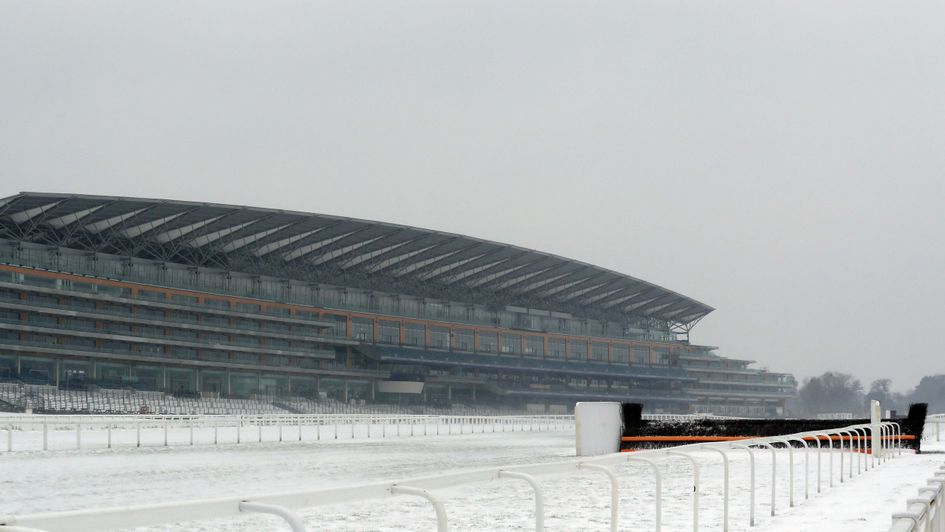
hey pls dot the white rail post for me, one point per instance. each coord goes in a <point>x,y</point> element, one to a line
<point>259,424</point>
<point>138,433</point>
<point>10,438</point>
<point>724,486</point>
<point>875,420</point>
<point>751,492</point>
<point>239,427</point>
<point>774,472</point>
<point>840,437</point>
<point>658,485</point>
<point>790,451</point>
<point>539,496</point>
<point>165,431</point>
<point>614,493</point>
<point>191,431</point>
<point>300,427</point>
<point>45,435</point>
<point>695,487</point>
<point>864,447</point>
<point>850,468</point>
<point>859,454</point>
<point>819,452</point>
<point>295,523</point>
<point>280,431</point>
<point>441,524</point>
<point>78,435</point>
<point>109,429</point>
<point>898,438</point>
<point>829,459</point>
<point>216,426</point>
<point>806,465</point>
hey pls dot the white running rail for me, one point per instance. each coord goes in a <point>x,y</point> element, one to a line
<point>926,512</point>
<point>425,487</point>
<point>33,432</point>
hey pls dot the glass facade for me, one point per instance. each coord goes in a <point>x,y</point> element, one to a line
<point>207,345</point>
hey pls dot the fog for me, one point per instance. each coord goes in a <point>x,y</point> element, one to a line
<point>781,161</point>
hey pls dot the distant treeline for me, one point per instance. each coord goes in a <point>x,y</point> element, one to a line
<point>835,392</point>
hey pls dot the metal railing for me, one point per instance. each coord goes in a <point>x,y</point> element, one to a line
<point>885,436</point>
<point>32,432</point>
<point>924,512</point>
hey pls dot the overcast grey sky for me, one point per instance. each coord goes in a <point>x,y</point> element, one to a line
<point>782,161</point>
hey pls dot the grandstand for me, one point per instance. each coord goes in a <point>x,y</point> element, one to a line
<point>115,304</point>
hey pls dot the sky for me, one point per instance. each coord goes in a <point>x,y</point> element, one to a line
<point>781,161</point>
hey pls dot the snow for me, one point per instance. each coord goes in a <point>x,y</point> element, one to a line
<point>68,479</point>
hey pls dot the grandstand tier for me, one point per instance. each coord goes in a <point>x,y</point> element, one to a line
<point>109,298</point>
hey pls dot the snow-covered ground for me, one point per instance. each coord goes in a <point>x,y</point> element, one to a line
<point>63,480</point>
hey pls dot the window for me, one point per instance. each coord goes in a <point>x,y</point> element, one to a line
<point>463,339</point>
<point>661,357</point>
<point>277,343</point>
<point>246,358</point>
<point>113,327</point>
<point>219,321</point>
<point>439,337</point>
<point>155,314</point>
<point>306,315</point>
<point>42,319</point>
<point>79,342</point>
<point>511,343</point>
<point>183,352</point>
<point>339,324</point>
<point>390,332</point>
<point>414,334</point>
<point>620,354</point>
<point>488,342</point>
<point>151,295</point>
<point>534,346</point>
<point>599,352</point>
<point>556,348</point>
<point>184,316</point>
<point>363,329</point>
<point>409,306</point>
<point>247,307</point>
<point>641,356</point>
<point>578,350</point>
<point>189,300</point>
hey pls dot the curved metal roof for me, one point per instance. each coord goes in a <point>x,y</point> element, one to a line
<point>327,248</point>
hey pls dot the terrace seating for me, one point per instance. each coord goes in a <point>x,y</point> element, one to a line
<point>43,398</point>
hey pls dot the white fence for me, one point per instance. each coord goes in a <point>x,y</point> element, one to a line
<point>44,433</point>
<point>925,512</point>
<point>936,420</point>
<point>885,437</point>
